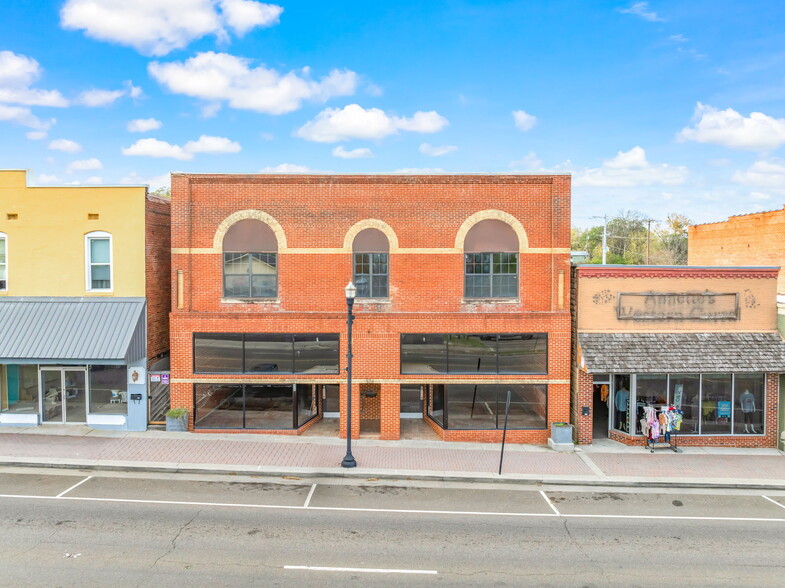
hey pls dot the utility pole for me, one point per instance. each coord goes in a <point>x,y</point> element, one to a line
<point>648,221</point>
<point>604,236</point>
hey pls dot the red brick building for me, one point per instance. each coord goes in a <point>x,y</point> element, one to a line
<point>463,286</point>
<point>702,340</point>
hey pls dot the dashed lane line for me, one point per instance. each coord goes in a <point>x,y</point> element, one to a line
<point>548,500</point>
<point>310,495</point>
<point>360,570</point>
<point>773,501</point>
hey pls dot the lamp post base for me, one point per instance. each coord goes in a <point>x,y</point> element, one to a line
<point>348,461</point>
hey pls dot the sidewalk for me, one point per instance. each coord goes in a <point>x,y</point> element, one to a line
<point>604,464</point>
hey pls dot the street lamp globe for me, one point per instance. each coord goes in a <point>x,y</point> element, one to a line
<point>351,291</point>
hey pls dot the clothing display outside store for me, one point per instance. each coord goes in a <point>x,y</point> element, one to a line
<point>660,424</point>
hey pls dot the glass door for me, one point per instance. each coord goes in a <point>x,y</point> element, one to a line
<point>64,397</point>
<point>331,399</point>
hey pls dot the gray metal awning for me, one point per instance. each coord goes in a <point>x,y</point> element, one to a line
<point>644,353</point>
<point>72,330</point>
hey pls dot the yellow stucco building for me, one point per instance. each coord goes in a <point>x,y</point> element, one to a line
<point>83,269</point>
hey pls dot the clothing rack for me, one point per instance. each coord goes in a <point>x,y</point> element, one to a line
<point>663,423</point>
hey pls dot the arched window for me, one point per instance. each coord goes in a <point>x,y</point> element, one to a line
<point>3,261</point>
<point>491,260</point>
<point>98,262</point>
<point>250,260</point>
<point>371,251</point>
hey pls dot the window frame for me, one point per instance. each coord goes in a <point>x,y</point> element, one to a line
<point>249,274</point>
<point>491,274</point>
<point>89,238</point>
<point>4,264</point>
<point>371,274</point>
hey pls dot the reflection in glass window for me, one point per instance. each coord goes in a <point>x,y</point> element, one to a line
<point>411,401</point>
<point>3,262</point>
<point>716,403</point>
<point>218,406</point>
<point>307,403</point>
<point>316,353</point>
<point>269,406</point>
<point>749,394</point>
<point>99,261</point>
<point>371,275</point>
<point>472,354</point>
<point>471,406</point>
<point>250,275</point>
<point>436,403</point>
<point>423,354</point>
<point>20,392</point>
<point>653,389</point>
<point>218,353</point>
<point>523,353</point>
<point>491,275</point>
<point>685,395</point>
<point>108,389</point>
<point>269,352</point>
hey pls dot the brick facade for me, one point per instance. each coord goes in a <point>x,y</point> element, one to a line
<point>425,218</point>
<point>158,263</point>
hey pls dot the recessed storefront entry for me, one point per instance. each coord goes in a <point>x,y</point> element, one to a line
<point>64,395</point>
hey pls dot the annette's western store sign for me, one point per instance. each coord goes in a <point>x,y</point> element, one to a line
<point>684,306</point>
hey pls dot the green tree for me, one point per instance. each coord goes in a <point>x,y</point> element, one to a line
<point>163,191</point>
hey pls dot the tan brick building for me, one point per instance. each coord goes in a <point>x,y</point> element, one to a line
<point>702,340</point>
<point>463,285</point>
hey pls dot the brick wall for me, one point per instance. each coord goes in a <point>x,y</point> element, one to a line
<point>425,214</point>
<point>157,273</point>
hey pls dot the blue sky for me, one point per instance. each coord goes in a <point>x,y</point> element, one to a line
<point>660,106</point>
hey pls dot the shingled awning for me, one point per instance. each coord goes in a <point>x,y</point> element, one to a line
<point>72,330</point>
<point>646,353</point>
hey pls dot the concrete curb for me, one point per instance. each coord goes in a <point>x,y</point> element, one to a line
<point>397,475</point>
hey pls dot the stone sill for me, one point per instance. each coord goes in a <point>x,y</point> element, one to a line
<point>250,300</point>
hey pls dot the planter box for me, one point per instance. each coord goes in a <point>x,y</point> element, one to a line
<point>177,424</point>
<point>561,433</point>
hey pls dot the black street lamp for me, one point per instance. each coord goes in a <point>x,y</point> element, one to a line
<point>348,460</point>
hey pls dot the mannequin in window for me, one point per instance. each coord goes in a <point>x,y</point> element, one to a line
<point>622,402</point>
<point>747,405</point>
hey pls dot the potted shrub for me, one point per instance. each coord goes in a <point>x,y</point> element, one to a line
<point>561,432</point>
<point>176,419</point>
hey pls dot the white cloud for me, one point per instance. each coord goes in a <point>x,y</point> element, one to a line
<point>678,38</point>
<point>420,170</point>
<point>155,148</point>
<point>94,180</point>
<point>286,168</point>
<point>23,116</point>
<point>355,122</point>
<point>218,77</point>
<point>158,27</point>
<point>94,98</point>
<point>628,169</point>
<point>17,74</point>
<point>143,125</point>
<point>523,120</point>
<point>36,135</point>
<point>154,182</point>
<point>758,132</point>
<point>48,179</point>
<point>642,9</point>
<point>434,151</point>
<point>205,144</point>
<point>770,174</point>
<point>65,145</point>
<point>243,15</point>
<point>529,162</point>
<point>359,153</point>
<point>759,196</point>
<point>84,165</point>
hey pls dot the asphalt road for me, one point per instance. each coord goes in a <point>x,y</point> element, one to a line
<point>69,529</point>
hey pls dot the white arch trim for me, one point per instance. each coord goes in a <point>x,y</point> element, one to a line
<point>523,239</point>
<point>222,229</point>
<point>371,223</point>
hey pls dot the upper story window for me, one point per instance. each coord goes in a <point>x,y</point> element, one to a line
<point>250,260</point>
<point>371,251</point>
<point>491,261</point>
<point>3,261</point>
<point>98,261</point>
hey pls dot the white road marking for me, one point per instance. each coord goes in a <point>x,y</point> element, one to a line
<point>592,466</point>
<point>396,510</point>
<point>773,501</point>
<point>64,492</point>
<point>310,494</point>
<point>548,500</point>
<point>363,570</point>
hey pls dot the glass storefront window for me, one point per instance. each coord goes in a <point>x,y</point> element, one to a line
<point>269,407</point>
<point>716,402</point>
<point>436,403</point>
<point>218,406</point>
<point>472,354</point>
<point>410,399</point>
<point>108,389</point>
<point>685,395</point>
<point>307,403</point>
<point>621,402</point>
<point>268,353</point>
<point>528,406</point>
<point>523,353</point>
<point>423,354</point>
<point>218,353</point>
<point>316,353</point>
<point>20,389</point>
<point>471,406</point>
<point>653,389</point>
<point>748,404</point>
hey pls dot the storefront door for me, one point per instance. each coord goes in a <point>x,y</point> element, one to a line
<point>63,395</point>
